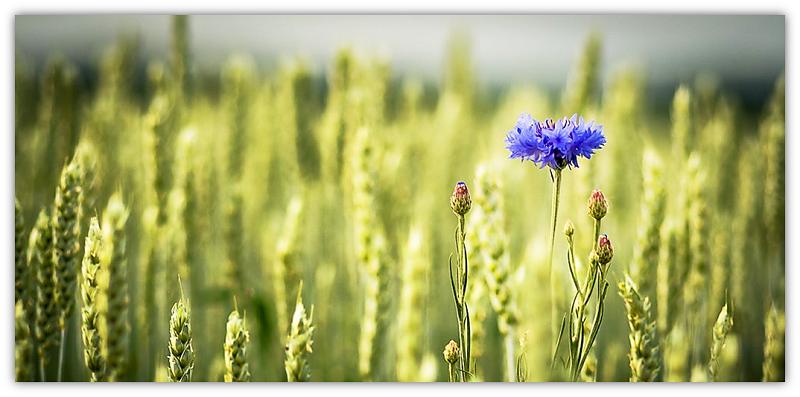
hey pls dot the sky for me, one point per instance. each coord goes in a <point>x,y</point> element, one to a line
<point>741,50</point>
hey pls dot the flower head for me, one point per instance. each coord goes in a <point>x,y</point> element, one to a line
<point>556,144</point>
<point>460,201</point>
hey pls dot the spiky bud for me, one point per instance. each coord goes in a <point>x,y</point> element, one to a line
<point>598,205</point>
<point>451,352</point>
<point>605,251</point>
<point>460,202</point>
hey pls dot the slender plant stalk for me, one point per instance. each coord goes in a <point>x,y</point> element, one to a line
<point>90,294</point>
<point>460,203</point>
<point>554,310</point>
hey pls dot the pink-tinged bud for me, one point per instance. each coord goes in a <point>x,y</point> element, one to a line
<point>451,352</point>
<point>460,202</point>
<point>598,205</point>
<point>605,251</point>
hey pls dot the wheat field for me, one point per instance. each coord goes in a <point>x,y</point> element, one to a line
<point>356,224</point>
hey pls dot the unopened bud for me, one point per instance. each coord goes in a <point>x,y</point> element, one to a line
<point>451,352</point>
<point>604,249</point>
<point>460,202</point>
<point>598,205</point>
<point>569,229</point>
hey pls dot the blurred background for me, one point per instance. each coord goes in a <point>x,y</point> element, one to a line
<point>255,152</point>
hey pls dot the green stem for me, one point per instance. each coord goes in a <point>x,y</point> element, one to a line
<point>596,234</point>
<point>41,368</point>
<point>553,223</point>
<point>511,370</point>
<point>61,353</point>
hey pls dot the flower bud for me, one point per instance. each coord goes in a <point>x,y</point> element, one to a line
<point>451,352</point>
<point>460,202</point>
<point>598,206</point>
<point>569,229</point>
<point>604,249</point>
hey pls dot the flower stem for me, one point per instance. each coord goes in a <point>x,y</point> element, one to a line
<point>553,223</point>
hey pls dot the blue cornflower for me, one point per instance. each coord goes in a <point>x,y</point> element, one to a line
<point>554,144</point>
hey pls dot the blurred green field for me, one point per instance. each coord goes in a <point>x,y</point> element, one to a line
<point>245,183</point>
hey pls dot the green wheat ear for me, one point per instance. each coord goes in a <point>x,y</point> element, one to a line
<point>236,339</point>
<point>644,357</point>
<point>720,332</point>
<point>181,354</point>
<point>298,344</point>
<point>21,268</point>
<point>66,232</point>
<point>774,346</point>
<point>116,262</point>
<point>90,315</point>
<point>23,348</point>
<point>40,254</point>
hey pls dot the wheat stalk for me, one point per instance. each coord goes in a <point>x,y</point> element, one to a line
<point>299,341</point>
<point>410,316</point>
<point>644,358</point>
<point>181,353</point>
<point>117,328</point>
<point>721,328</point>
<point>494,243</point>
<point>66,234</point>
<point>645,255</point>
<point>23,345</point>
<point>235,349</point>
<point>90,315</point>
<point>285,265</point>
<point>40,256</point>
<point>370,254</point>
<point>774,346</point>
